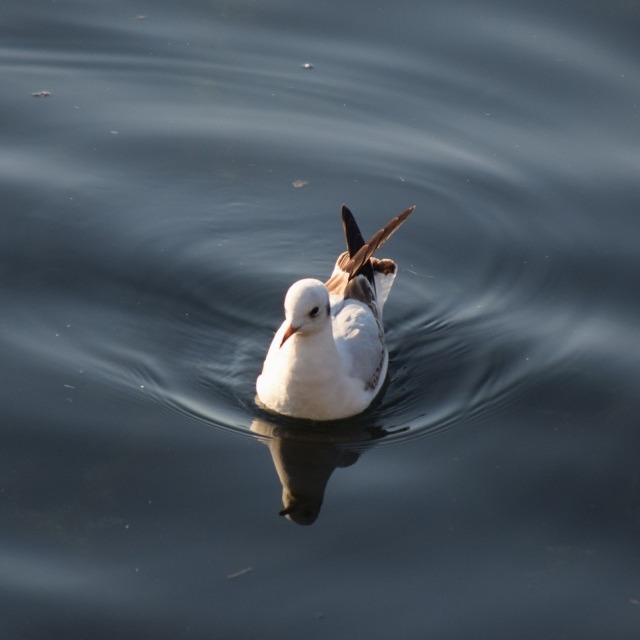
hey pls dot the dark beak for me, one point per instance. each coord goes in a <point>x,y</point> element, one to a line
<point>288,333</point>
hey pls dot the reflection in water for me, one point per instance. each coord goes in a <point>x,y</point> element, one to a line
<point>306,456</point>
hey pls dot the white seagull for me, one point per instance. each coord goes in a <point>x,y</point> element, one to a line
<point>329,360</point>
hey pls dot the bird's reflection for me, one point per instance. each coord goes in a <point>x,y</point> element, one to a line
<point>305,457</point>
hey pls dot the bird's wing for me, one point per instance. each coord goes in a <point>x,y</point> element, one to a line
<point>357,274</point>
<point>360,341</point>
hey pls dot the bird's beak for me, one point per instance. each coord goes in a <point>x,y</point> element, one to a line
<point>289,331</point>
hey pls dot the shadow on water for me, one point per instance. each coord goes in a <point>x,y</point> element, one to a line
<point>305,455</point>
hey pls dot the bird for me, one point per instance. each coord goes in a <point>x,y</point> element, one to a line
<point>328,360</point>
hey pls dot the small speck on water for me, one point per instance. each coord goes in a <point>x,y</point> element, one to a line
<point>42,94</point>
<point>298,184</point>
<point>307,65</point>
<point>239,574</point>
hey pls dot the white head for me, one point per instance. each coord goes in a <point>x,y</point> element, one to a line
<point>306,308</point>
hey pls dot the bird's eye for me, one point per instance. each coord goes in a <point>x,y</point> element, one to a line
<point>314,312</point>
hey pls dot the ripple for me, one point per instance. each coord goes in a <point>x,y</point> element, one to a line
<point>184,280</point>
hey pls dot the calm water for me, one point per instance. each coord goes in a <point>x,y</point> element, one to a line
<point>184,170</point>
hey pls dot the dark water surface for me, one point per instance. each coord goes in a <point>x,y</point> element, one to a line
<point>184,170</point>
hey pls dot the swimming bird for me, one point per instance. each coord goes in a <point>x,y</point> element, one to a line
<point>329,359</point>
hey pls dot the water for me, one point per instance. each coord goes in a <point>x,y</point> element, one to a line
<point>152,219</point>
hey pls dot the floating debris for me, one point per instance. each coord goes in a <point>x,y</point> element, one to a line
<point>239,574</point>
<point>41,94</point>
<point>298,184</point>
<point>307,65</point>
<point>140,17</point>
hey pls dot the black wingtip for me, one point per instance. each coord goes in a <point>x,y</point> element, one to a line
<point>360,262</point>
<point>347,221</point>
<point>351,231</point>
<point>355,241</point>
